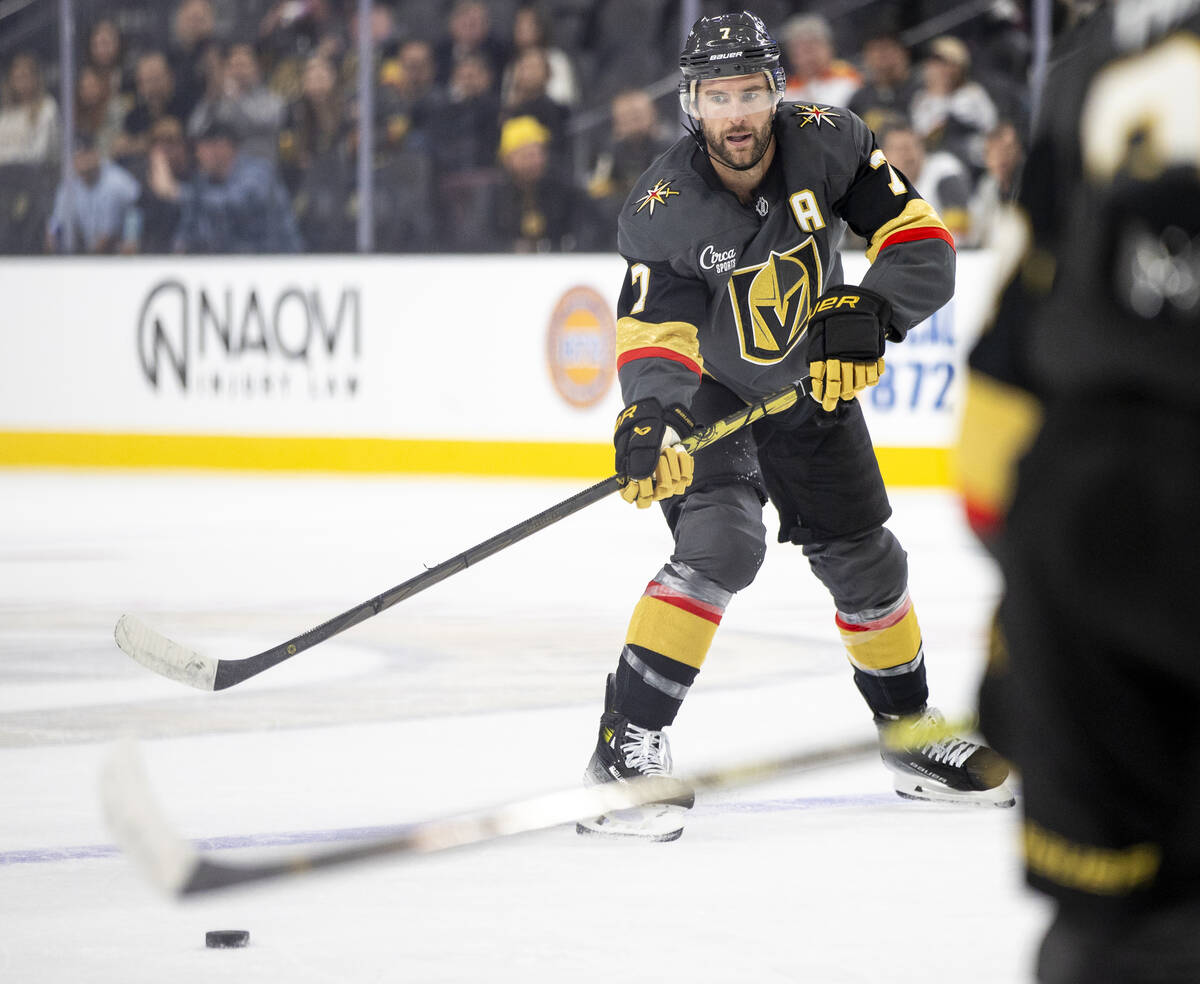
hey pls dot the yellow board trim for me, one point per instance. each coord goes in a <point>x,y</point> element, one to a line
<point>920,467</point>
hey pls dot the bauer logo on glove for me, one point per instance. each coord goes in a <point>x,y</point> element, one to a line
<point>651,463</point>
<point>846,336</point>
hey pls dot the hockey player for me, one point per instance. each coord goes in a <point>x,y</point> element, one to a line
<point>734,289</point>
<point>1090,377</point>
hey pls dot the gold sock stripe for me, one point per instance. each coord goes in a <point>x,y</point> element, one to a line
<point>665,628</point>
<point>881,649</point>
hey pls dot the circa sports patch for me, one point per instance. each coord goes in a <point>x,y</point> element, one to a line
<point>657,195</point>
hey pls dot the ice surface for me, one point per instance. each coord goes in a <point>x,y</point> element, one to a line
<point>483,688</point>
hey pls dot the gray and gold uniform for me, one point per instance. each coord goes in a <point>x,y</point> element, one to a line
<point>713,314</point>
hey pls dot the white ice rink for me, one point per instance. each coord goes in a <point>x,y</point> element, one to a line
<point>484,688</point>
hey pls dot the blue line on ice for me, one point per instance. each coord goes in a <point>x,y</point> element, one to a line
<point>278,839</point>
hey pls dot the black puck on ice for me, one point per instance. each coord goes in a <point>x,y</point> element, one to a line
<point>225,939</point>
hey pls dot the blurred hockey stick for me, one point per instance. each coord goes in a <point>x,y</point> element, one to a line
<point>158,653</point>
<point>176,867</point>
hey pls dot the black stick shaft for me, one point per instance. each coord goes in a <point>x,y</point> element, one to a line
<point>230,672</point>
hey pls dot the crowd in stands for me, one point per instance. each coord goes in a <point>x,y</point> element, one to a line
<point>214,126</point>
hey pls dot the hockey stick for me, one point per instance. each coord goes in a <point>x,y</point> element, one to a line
<point>158,653</point>
<point>179,869</point>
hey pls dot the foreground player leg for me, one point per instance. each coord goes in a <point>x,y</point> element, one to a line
<point>867,576</point>
<point>719,529</point>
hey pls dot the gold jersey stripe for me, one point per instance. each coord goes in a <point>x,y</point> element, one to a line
<point>881,649</point>
<point>676,336</point>
<point>917,214</point>
<point>1086,867</point>
<point>999,424</point>
<point>663,628</point>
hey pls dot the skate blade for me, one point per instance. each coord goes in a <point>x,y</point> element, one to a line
<point>930,792</point>
<point>655,822</point>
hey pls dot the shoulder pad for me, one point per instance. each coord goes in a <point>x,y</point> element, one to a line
<point>660,205</point>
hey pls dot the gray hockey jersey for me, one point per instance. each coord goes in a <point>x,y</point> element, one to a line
<point>724,289</point>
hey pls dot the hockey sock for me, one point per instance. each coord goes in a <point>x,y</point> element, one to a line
<point>669,635</point>
<point>884,646</point>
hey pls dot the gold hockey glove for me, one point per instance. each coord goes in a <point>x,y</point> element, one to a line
<point>846,335</point>
<point>651,464</point>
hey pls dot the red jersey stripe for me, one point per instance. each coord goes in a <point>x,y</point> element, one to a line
<point>653,352</point>
<point>913,235</point>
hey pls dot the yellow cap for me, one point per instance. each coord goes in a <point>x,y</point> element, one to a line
<point>521,131</point>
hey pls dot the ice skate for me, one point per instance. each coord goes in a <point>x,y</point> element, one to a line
<point>947,769</point>
<point>625,751</point>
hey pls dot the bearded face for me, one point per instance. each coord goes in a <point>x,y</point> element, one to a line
<point>735,117</point>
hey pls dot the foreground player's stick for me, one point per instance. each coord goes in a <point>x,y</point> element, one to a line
<point>158,653</point>
<point>176,867</point>
<point>179,869</point>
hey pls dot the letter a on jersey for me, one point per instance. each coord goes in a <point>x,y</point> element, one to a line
<point>773,301</point>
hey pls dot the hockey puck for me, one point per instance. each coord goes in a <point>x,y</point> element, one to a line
<point>226,939</point>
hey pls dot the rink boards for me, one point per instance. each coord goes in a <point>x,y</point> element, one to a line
<point>469,365</point>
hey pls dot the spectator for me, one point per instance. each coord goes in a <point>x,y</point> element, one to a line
<point>234,203</point>
<point>939,177</point>
<point>156,98</point>
<point>28,115</point>
<point>169,168</point>
<point>814,74</point>
<point>890,83</point>
<point>469,35</point>
<point>412,86</point>
<point>191,51</point>
<point>531,30</point>
<point>289,34</point>
<point>466,135</point>
<point>316,130</point>
<point>1003,156</point>
<point>384,43</point>
<point>635,140</point>
<point>949,110</point>
<point>99,203</point>
<point>106,57</point>
<point>237,96</point>
<point>536,210</point>
<point>97,114</point>
<point>530,73</point>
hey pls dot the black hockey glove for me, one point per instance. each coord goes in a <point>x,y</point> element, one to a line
<point>650,461</point>
<point>845,343</point>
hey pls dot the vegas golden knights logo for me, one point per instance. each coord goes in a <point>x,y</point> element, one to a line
<point>773,301</point>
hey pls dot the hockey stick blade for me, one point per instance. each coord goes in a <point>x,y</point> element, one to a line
<point>158,653</point>
<point>179,869</point>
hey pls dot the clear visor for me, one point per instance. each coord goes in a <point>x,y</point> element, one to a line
<point>716,99</point>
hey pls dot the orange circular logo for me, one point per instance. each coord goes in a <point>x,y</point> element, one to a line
<point>581,347</point>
